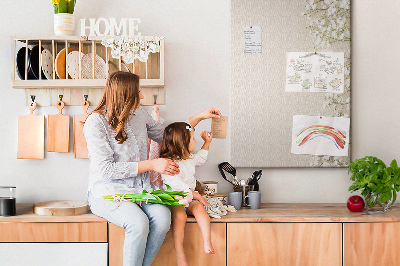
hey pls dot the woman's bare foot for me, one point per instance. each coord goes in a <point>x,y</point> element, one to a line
<point>209,249</point>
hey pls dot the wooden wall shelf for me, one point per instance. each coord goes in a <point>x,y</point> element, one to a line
<point>151,73</point>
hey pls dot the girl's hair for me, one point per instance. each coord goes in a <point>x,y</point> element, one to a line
<point>120,95</point>
<point>175,144</point>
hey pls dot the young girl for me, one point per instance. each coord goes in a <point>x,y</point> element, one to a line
<point>178,144</point>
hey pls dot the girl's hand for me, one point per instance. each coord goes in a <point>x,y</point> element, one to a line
<point>165,166</point>
<point>210,113</point>
<point>206,136</point>
<point>205,203</point>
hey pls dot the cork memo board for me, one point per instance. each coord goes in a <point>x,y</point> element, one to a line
<point>262,111</point>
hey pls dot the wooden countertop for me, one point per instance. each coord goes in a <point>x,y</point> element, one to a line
<point>268,212</point>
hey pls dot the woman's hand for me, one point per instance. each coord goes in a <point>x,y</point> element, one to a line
<point>165,166</point>
<point>208,113</point>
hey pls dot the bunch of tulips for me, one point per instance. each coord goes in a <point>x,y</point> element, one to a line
<point>164,197</point>
<point>64,6</point>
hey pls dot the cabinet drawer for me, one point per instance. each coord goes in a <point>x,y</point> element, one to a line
<point>284,244</point>
<point>371,244</point>
<point>53,232</point>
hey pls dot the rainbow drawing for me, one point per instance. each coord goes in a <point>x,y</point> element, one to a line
<point>309,133</point>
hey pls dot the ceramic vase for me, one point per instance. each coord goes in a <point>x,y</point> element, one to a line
<point>64,24</point>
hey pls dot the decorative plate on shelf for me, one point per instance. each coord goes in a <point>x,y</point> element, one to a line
<point>34,61</point>
<point>60,63</point>
<point>20,60</point>
<point>73,64</point>
<point>100,68</point>
<point>47,64</point>
<point>112,67</point>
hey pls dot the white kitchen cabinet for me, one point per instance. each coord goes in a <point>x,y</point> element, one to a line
<point>60,254</point>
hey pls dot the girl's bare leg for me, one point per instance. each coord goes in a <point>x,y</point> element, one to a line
<point>178,229</point>
<point>197,209</point>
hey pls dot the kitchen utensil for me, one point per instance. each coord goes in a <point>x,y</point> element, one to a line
<point>253,198</point>
<point>58,131</point>
<point>36,53</point>
<point>7,201</point>
<point>225,166</point>
<point>61,63</point>
<point>60,208</point>
<point>235,199</point>
<point>80,149</point>
<point>253,180</point>
<point>20,60</point>
<point>31,135</point>
<point>99,67</point>
<point>47,63</point>
<point>245,190</point>
<point>73,64</point>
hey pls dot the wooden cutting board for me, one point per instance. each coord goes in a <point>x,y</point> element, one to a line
<point>60,208</point>
<point>80,149</point>
<point>31,135</point>
<point>58,131</point>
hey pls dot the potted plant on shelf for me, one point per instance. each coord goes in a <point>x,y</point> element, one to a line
<point>64,22</point>
<point>377,182</point>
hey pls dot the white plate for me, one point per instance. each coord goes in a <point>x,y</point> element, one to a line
<point>47,63</point>
<point>73,64</point>
<point>99,67</point>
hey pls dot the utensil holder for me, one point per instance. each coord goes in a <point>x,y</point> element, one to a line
<point>245,191</point>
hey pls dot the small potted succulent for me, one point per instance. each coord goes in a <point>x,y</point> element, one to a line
<point>64,22</point>
<point>377,182</point>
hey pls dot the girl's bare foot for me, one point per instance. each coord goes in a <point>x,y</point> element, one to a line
<point>209,249</point>
<point>182,261</point>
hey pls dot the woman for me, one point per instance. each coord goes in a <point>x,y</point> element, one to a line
<point>116,133</point>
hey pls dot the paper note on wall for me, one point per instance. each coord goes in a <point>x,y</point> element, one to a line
<point>219,127</point>
<point>252,39</point>
<point>320,135</point>
<point>315,72</point>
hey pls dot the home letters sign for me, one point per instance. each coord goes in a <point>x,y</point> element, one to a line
<point>126,26</point>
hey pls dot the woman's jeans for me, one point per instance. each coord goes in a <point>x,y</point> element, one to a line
<point>145,227</point>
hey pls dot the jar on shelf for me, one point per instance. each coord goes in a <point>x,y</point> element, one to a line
<point>7,201</point>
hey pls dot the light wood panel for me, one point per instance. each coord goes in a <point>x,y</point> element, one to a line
<point>284,244</point>
<point>58,131</point>
<point>53,232</point>
<point>31,135</point>
<point>371,244</point>
<point>166,256</point>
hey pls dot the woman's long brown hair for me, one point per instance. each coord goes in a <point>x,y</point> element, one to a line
<point>120,95</point>
<point>175,144</point>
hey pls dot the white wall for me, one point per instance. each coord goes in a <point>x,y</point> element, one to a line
<point>198,76</point>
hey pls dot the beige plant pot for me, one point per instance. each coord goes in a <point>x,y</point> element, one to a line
<point>64,24</point>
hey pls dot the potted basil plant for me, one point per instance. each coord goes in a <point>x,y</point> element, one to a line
<point>377,182</point>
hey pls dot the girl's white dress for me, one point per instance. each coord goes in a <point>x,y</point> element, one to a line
<point>185,180</point>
